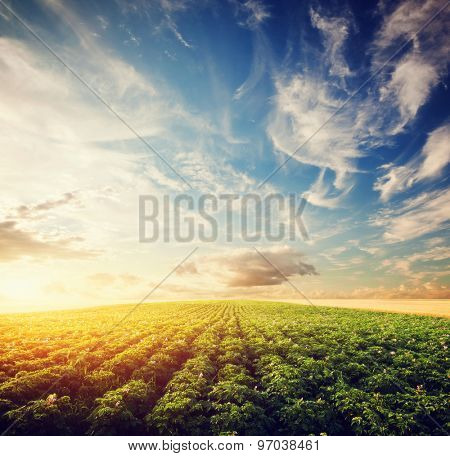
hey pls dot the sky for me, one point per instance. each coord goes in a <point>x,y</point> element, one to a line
<point>223,91</point>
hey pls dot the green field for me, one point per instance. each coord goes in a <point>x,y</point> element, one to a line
<point>223,367</point>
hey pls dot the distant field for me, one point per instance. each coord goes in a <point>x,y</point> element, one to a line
<point>435,307</point>
<point>223,367</point>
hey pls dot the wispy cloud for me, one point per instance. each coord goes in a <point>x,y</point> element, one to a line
<point>261,63</point>
<point>322,195</point>
<point>435,154</point>
<point>420,268</point>
<point>175,5</point>
<point>251,13</point>
<point>307,100</point>
<point>174,29</point>
<point>31,211</point>
<point>418,70</point>
<point>401,21</point>
<point>104,23</point>
<point>335,32</point>
<point>53,105</point>
<point>409,86</point>
<point>428,165</point>
<point>415,217</point>
<point>302,104</point>
<point>131,39</point>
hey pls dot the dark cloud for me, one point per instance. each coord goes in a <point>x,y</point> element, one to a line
<point>16,243</point>
<point>247,268</point>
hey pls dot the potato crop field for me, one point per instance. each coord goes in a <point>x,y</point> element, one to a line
<point>223,368</point>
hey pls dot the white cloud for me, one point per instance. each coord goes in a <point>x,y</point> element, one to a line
<point>394,179</point>
<point>435,153</point>
<point>405,20</point>
<point>411,79</point>
<point>252,12</point>
<point>53,104</point>
<point>320,194</point>
<point>210,173</point>
<point>146,7</point>
<point>416,217</point>
<point>261,60</point>
<point>435,254</point>
<point>257,11</point>
<point>173,27</point>
<point>132,39</point>
<point>301,106</point>
<point>433,242</point>
<point>405,265</point>
<point>410,85</point>
<point>104,23</point>
<point>304,102</point>
<point>428,165</point>
<point>335,31</point>
<point>175,5</point>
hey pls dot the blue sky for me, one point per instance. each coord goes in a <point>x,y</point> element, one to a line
<point>225,91</point>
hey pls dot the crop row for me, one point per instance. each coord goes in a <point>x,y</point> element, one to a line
<point>234,367</point>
